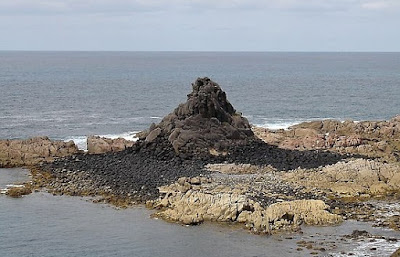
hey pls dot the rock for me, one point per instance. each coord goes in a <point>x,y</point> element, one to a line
<point>195,205</point>
<point>351,178</point>
<point>205,129</point>
<point>98,145</point>
<point>14,153</point>
<point>207,120</point>
<point>153,135</point>
<point>359,233</point>
<point>370,138</point>
<point>232,168</point>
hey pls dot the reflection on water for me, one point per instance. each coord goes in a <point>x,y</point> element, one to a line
<point>44,225</point>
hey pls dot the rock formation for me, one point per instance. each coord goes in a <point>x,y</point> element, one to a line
<point>98,145</point>
<point>206,129</point>
<point>190,201</point>
<point>33,151</point>
<point>207,122</point>
<point>368,138</point>
<point>202,162</point>
<point>353,178</point>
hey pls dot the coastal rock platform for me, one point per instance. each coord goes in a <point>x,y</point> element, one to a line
<point>204,162</point>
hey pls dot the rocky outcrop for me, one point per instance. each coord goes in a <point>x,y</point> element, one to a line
<point>368,138</point>
<point>354,178</point>
<point>98,145</point>
<point>190,201</point>
<point>206,122</point>
<point>32,151</point>
<point>204,130</point>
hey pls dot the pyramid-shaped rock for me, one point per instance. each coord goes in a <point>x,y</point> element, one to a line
<point>207,122</point>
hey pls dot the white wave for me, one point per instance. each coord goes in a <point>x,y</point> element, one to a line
<point>382,246</point>
<point>81,141</point>
<point>131,136</point>
<point>12,185</point>
<point>275,124</point>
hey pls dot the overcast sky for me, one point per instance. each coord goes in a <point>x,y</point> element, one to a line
<point>200,25</point>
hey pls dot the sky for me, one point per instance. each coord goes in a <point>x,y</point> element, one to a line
<point>200,25</point>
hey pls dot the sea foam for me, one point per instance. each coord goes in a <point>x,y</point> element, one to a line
<point>81,141</point>
<point>276,123</point>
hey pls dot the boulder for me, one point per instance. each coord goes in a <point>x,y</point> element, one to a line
<point>153,135</point>
<point>98,145</point>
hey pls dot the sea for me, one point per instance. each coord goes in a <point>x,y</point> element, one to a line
<point>70,95</point>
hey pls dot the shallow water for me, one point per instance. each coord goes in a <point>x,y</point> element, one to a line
<point>13,176</point>
<point>41,224</point>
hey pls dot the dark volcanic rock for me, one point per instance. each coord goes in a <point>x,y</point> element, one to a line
<point>206,121</point>
<point>257,152</point>
<point>129,172</point>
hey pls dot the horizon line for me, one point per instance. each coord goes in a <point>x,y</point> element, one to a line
<point>201,51</point>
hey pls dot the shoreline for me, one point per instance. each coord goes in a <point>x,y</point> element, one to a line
<point>84,184</point>
<point>348,243</point>
<point>204,163</point>
<point>69,211</point>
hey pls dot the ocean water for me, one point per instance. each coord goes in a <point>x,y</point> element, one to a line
<point>69,95</point>
<point>43,225</point>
